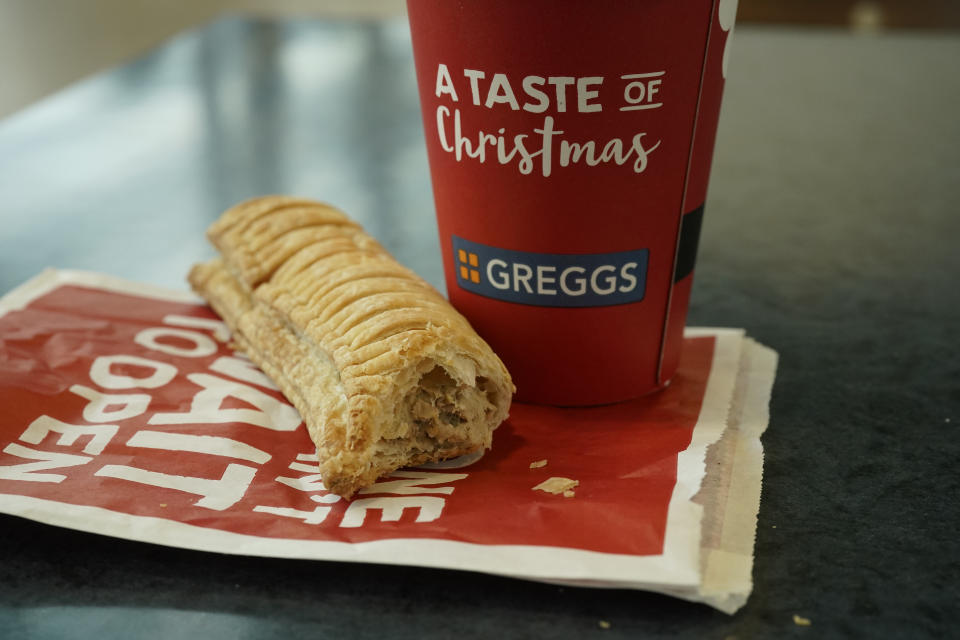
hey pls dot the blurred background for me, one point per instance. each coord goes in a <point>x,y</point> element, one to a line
<point>48,44</point>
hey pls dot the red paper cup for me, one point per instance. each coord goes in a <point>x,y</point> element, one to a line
<point>570,146</point>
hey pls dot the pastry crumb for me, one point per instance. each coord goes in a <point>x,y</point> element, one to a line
<point>537,464</point>
<point>800,621</point>
<point>556,485</point>
<point>603,624</point>
<point>568,494</point>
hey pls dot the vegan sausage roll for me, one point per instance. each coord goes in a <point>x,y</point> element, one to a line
<point>384,372</point>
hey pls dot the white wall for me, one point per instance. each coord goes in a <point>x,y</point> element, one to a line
<point>47,44</point>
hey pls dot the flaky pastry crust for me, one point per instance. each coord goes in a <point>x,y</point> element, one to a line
<point>383,370</point>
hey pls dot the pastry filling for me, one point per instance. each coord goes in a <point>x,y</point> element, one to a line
<point>441,414</point>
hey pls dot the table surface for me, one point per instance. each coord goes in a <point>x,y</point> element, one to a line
<point>829,235</point>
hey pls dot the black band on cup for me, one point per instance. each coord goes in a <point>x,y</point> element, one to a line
<point>689,239</point>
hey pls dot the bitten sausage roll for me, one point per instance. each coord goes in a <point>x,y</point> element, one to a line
<point>384,372</point>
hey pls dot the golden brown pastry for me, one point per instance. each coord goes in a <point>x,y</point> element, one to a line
<point>383,370</point>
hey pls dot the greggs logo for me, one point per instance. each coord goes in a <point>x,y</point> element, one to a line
<point>468,266</point>
<point>551,279</point>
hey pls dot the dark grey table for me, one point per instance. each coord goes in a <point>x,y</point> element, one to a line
<point>831,235</point>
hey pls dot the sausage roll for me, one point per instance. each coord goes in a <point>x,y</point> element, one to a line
<point>384,372</point>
